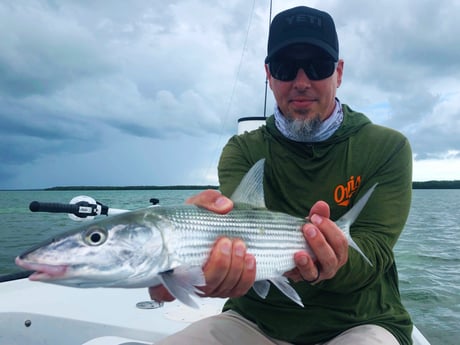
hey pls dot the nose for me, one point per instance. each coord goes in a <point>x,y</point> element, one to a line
<point>301,80</point>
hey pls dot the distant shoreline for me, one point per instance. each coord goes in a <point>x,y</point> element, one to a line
<point>415,185</point>
<point>436,185</point>
<point>177,187</point>
<point>455,184</point>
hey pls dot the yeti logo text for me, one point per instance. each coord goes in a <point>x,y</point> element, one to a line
<point>310,20</point>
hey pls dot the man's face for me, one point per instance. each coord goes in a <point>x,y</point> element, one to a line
<point>303,98</point>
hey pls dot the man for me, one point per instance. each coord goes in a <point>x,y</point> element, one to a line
<point>315,149</point>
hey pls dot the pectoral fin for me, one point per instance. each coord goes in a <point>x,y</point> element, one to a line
<point>261,287</point>
<point>282,283</point>
<point>182,281</point>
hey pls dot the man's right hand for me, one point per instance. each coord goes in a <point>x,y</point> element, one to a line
<point>230,271</point>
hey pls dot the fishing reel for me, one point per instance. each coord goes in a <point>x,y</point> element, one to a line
<point>79,208</point>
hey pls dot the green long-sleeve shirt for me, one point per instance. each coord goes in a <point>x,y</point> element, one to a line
<point>338,171</point>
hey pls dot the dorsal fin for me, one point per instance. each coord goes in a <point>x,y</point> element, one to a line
<point>250,191</point>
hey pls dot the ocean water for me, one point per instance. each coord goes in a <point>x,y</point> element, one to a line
<point>427,253</point>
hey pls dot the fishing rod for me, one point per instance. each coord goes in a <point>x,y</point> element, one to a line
<point>266,79</point>
<point>80,208</point>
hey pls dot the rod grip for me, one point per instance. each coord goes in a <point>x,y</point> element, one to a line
<point>53,207</point>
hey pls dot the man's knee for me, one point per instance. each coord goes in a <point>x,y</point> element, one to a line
<point>365,335</point>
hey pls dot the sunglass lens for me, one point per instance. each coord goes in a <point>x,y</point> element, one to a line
<point>315,69</point>
<point>283,70</point>
<point>320,69</point>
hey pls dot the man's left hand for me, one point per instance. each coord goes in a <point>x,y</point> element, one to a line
<point>327,242</point>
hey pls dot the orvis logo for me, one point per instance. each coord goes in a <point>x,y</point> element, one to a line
<point>343,193</point>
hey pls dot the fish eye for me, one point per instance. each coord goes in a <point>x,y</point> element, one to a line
<point>95,236</point>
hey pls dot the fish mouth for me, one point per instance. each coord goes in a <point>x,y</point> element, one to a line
<point>42,272</point>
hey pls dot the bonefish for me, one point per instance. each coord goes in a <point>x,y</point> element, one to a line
<point>169,244</point>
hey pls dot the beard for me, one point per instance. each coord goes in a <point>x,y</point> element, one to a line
<point>302,129</point>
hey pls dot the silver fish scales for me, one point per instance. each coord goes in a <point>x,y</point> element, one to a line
<point>271,237</point>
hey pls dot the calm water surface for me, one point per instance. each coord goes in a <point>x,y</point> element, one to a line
<point>427,253</point>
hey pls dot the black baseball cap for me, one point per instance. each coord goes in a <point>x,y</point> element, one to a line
<point>303,25</point>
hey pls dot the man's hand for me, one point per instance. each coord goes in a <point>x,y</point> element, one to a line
<point>230,271</point>
<point>328,243</point>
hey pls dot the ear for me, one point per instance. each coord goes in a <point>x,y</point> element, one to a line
<point>268,75</point>
<point>339,72</point>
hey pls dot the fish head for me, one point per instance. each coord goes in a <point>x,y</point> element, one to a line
<point>124,251</point>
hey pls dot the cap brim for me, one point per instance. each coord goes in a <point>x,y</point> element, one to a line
<point>318,43</point>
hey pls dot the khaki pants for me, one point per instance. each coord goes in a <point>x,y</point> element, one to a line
<point>230,328</point>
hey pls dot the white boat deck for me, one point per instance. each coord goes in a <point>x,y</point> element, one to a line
<point>39,314</point>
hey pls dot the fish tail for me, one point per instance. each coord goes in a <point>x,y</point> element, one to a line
<point>349,218</point>
<point>353,245</point>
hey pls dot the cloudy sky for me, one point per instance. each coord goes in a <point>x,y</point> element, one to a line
<point>146,92</point>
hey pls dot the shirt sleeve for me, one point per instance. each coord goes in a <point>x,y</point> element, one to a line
<point>235,161</point>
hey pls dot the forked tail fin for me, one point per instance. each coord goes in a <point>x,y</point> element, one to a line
<point>349,218</point>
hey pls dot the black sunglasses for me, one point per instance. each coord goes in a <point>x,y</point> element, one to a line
<point>315,69</point>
